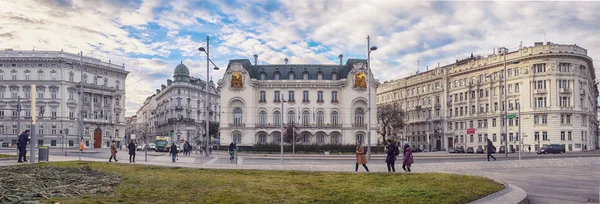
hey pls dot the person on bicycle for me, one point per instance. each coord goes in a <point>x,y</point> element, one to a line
<point>232,150</point>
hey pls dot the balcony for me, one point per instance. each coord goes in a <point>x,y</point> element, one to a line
<point>262,101</point>
<point>334,101</point>
<point>359,125</point>
<point>565,90</point>
<point>320,101</point>
<point>540,91</point>
<point>178,108</point>
<point>305,101</point>
<point>566,108</point>
<point>237,125</point>
<point>291,101</point>
<point>276,100</point>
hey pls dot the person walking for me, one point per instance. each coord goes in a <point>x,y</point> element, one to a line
<point>491,148</point>
<point>185,149</point>
<point>113,151</point>
<point>361,157</point>
<point>131,151</point>
<point>407,160</point>
<point>189,148</point>
<point>173,152</point>
<point>22,146</point>
<point>529,148</point>
<point>392,152</point>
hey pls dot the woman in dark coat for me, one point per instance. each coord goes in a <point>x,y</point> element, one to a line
<point>173,152</point>
<point>408,157</point>
<point>131,148</point>
<point>392,150</point>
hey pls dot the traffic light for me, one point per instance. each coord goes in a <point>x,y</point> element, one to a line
<point>172,132</point>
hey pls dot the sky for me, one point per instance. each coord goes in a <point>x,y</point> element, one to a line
<point>152,36</point>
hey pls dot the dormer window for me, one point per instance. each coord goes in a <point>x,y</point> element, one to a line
<point>263,76</point>
<point>276,75</point>
<point>305,75</point>
<point>291,75</point>
<point>320,75</point>
<point>334,76</point>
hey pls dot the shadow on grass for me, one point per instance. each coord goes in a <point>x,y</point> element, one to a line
<point>152,184</point>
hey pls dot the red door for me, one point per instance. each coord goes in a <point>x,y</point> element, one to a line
<point>97,139</point>
<point>450,142</point>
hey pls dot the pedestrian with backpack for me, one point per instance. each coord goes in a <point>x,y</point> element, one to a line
<point>392,152</point>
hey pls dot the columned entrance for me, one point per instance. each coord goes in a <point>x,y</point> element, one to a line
<point>97,138</point>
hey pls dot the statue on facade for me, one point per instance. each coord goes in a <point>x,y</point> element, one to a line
<point>236,80</point>
<point>360,80</point>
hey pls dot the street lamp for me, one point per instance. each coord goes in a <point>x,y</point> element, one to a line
<point>206,89</point>
<point>282,129</point>
<point>369,49</point>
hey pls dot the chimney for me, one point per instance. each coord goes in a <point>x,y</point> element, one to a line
<point>286,60</point>
<point>255,59</point>
<point>341,58</point>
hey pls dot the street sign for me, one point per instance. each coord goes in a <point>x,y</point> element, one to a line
<point>509,116</point>
<point>471,131</point>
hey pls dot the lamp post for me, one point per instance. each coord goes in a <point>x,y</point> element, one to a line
<point>505,106</point>
<point>206,89</point>
<point>369,49</point>
<point>282,129</point>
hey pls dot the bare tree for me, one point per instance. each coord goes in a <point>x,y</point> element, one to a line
<point>389,116</point>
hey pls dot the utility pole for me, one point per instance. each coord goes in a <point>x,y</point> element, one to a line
<point>33,120</point>
<point>281,135</point>
<point>369,97</point>
<point>505,106</point>
<point>520,135</point>
<point>80,126</point>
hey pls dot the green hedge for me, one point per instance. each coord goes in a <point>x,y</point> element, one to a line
<point>301,148</point>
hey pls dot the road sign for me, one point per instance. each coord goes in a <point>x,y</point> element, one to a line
<point>509,116</point>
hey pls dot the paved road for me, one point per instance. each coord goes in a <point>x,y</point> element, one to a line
<point>563,185</point>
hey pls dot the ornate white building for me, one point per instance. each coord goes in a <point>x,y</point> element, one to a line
<point>327,102</point>
<point>179,107</point>
<point>57,77</point>
<point>461,104</point>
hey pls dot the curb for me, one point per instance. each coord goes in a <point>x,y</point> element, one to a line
<point>510,194</point>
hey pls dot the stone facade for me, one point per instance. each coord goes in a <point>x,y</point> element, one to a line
<point>57,77</point>
<point>461,104</point>
<point>179,106</point>
<point>326,103</point>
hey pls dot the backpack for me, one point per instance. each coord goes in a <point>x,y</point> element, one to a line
<point>396,151</point>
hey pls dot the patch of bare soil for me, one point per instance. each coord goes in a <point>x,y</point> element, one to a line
<point>23,183</point>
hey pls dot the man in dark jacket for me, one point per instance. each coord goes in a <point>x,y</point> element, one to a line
<point>173,151</point>
<point>232,150</point>
<point>392,151</point>
<point>23,139</point>
<point>131,148</point>
<point>490,149</point>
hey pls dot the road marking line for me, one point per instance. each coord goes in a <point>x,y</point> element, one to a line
<point>212,160</point>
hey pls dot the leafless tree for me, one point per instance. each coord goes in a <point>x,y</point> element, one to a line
<point>389,116</point>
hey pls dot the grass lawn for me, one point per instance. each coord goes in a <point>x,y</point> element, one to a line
<point>151,184</point>
<point>7,156</point>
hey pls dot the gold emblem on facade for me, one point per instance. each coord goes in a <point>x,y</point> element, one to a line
<point>360,80</point>
<point>236,80</point>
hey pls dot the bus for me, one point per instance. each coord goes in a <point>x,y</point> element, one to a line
<point>162,144</point>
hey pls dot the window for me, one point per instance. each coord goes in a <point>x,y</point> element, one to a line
<point>53,143</point>
<point>334,118</point>
<point>545,136</point>
<point>71,76</point>
<point>569,136</point>
<point>565,101</point>
<point>276,117</point>
<point>27,76</point>
<point>276,75</point>
<point>494,138</point>
<point>237,117</point>
<point>541,101</point>
<point>562,135</point>
<point>539,68</point>
<point>305,75</point>
<point>262,118</point>
<point>105,82</point>
<point>71,143</point>
<point>291,96</point>
<point>305,96</point>
<point>516,71</point>
<point>360,137</point>
<point>276,97</point>
<point>471,138</point>
<point>237,138</point>
<point>479,138</point>
<point>334,76</point>
<point>319,96</point>
<point>565,118</point>
<point>53,112</point>
<point>40,93</point>
<point>320,138</point>
<point>334,96</point>
<point>40,75</point>
<point>2,90</point>
<point>291,75</point>
<point>517,88</point>
<point>320,75</point>
<point>320,118</point>
<point>305,118</point>
<point>71,114</point>
<point>359,116</point>
<point>41,129</point>
<point>262,138</point>
<point>291,117</point>
<point>263,96</point>
<point>53,93</point>
<point>263,76</point>
<point>117,84</point>
<point>54,129</point>
<point>53,76</point>
<point>96,80</point>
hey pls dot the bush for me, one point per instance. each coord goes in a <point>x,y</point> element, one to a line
<point>304,148</point>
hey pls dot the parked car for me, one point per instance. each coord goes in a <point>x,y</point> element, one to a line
<point>443,149</point>
<point>140,147</point>
<point>460,150</point>
<point>553,148</point>
<point>480,150</point>
<point>417,150</point>
<point>470,150</point>
<point>152,147</point>
<point>451,150</point>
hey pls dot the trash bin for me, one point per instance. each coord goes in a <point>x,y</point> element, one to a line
<point>44,153</point>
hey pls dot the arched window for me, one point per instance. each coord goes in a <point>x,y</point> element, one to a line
<point>305,75</point>
<point>237,116</point>
<point>71,76</point>
<point>105,82</point>
<point>96,80</point>
<point>320,138</point>
<point>262,138</point>
<point>262,117</point>
<point>320,75</point>
<point>276,117</point>
<point>334,138</point>
<point>334,76</point>
<point>320,118</point>
<point>291,75</point>
<point>359,116</point>
<point>263,76</point>
<point>85,78</point>
<point>305,137</point>
<point>305,118</point>
<point>360,137</point>
<point>291,117</point>
<point>117,84</point>
<point>334,118</point>
<point>276,75</point>
<point>237,138</point>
